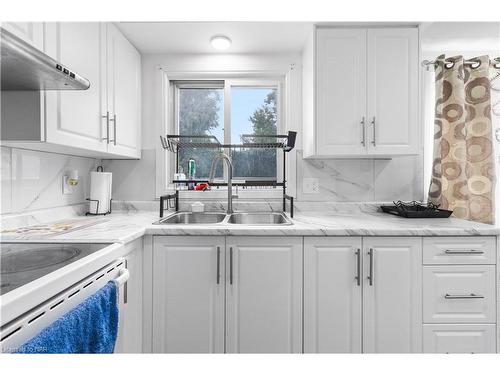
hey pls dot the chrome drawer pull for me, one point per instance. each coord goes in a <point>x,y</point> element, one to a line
<point>462,296</point>
<point>464,252</point>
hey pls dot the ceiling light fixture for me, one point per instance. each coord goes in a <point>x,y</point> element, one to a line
<point>220,42</point>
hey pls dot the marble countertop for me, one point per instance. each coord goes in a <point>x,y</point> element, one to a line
<point>127,226</point>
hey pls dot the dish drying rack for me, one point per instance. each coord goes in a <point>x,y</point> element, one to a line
<point>18,331</point>
<point>175,143</point>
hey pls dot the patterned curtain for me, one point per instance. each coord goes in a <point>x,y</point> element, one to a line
<point>463,174</point>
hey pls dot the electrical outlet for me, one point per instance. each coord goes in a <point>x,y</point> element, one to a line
<point>67,189</point>
<point>310,186</point>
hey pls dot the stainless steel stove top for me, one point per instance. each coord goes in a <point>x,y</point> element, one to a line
<point>23,263</point>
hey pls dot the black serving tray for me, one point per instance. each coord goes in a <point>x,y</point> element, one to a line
<point>416,212</point>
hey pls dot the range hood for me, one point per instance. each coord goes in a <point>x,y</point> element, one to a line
<point>23,67</point>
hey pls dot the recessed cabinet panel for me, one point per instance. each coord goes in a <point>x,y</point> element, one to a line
<point>459,294</point>
<point>459,338</point>
<point>392,295</point>
<point>188,295</point>
<point>332,295</point>
<point>131,302</point>
<point>460,250</point>
<point>365,85</point>
<point>392,91</point>
<point>264,295</point>
<point>75,117</point>
<point>341,91</point>
<point>123,94</point>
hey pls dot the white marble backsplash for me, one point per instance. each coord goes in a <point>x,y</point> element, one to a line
<point>32,180</point>
<point>340,180</point>
<point>48,215</point>
<point>362,180</point>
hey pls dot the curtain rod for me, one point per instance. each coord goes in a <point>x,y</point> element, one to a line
<point>472,62</point>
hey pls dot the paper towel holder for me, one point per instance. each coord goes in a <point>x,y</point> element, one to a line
<point>99,169</point>
<point>97,208</point>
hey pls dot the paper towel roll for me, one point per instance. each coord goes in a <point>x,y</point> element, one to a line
<point>100,189</point>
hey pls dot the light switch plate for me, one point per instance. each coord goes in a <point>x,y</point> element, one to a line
<point>310,186</point>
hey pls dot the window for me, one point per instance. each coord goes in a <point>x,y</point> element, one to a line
<point>228,109</point>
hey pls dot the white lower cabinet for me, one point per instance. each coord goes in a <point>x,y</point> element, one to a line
<point>188,294</point>
<point>264,295</point>
<point>322,295</point>
<point>130,327</point>
<point>242,297</point>
<point>459,338</point>
<point>392,295</point>
<point>459,294</point>
<point>332,295</point>
<point>383,314</point>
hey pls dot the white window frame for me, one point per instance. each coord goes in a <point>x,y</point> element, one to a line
<point>166,97</point>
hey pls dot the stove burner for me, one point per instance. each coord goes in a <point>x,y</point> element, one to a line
<point>36,258</point>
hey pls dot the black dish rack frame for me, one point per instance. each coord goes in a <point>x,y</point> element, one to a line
<point>174,143</point>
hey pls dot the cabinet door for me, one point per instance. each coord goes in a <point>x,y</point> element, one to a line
<point>30,32</point>
<point>130,329</point>
<point>332,295</point>
<point>340,91</point>
<point>264,295</point>
<point>188,294</point>
<point>124,94</point>
<point>392,89</point>
<point>74,117</point>
<point>392,295</point>
<point>459,338</point>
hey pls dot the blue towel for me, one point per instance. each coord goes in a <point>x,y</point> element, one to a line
<point>91,327</point>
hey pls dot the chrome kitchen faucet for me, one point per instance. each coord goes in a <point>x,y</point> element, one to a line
<point>215,161</point>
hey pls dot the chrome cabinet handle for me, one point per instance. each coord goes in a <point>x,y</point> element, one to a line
<point>231,265</point>
<point>464,252</point>
<point>462,296</point>
<point>218,265</point>
<point>114,128</point>
<point>107,126</point>
<point>370,276</point>
<point>358,267</point>
<point>374,132</point>
<point>363,135</point>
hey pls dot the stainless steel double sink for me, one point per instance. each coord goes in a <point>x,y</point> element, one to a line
<point>238,218</point>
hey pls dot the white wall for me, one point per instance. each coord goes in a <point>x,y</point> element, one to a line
<point>32,180</point>
<point>340,180</point>
<point>138,177</point>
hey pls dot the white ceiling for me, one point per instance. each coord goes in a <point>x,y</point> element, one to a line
<point>194,37</point>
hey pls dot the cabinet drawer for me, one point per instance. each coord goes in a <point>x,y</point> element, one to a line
<point>459,294</point>
<point>459,250</point>
<point>459,338</point>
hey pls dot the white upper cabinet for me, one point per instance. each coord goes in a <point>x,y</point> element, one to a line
<point>124,94</point>
<point>341,91</point>
<point>392,91</point>
<point>30,32</point>
<point>103,121</point>
<point>74,117</point>
<point>361,92</point>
